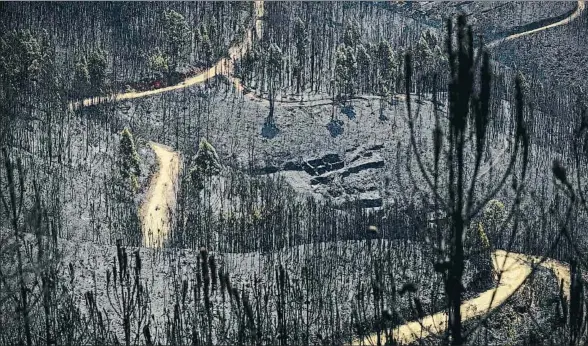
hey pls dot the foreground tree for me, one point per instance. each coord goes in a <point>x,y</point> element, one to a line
<point>468,119</point>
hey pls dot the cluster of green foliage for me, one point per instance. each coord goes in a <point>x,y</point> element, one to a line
<point>428,55</point>
<point>345,70</point>
<point>175,47</point>
<point>159,64</point>
<point>89,77</point>
<point>177,34</point>
<point>129,159</point>
<point>28,77</point>
<point>359,64</point>
<point>21,57</point>
<point>203,38</point>
<point>206,164</point>
<point>387,65</point>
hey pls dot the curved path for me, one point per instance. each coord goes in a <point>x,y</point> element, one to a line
<point>161,195</point>
<point>579,9</point>
<point>223,66</point>
<point>515,269</point>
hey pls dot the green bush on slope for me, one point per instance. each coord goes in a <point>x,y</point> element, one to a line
<point>206,164</point>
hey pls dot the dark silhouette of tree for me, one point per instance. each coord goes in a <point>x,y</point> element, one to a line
<point>274,66</point>
<point>129,158</point>
<point>460,199</point>
<point>302,39</point>
<point>81,80</point>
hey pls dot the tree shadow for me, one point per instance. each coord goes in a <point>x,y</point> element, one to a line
<point>269,129</point>
<point>348,111</point>
<point>335,127</point>
<point>383,116</point>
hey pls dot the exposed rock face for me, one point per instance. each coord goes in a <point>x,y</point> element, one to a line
<point>343,178</point>
<point>292,166</point>
<point>375,162</point>
<point>322,179</point>
<point>314,167</point>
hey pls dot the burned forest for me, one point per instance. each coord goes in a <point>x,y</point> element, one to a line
<point>293,173</point>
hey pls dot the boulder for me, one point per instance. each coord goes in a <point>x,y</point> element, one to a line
<point>321,179</point>
<point>331,158</point>
<point>375,163</point>
<point>292,166</point>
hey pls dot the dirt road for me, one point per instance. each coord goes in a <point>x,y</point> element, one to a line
<point>515,268</point>
<point>579,9</point>
<point>223,66</point>
<point>161,197</point>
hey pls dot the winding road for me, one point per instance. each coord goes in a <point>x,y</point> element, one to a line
<point>161,198</point>
<point>515,269</point>
<point>579,9</point>
<point>223,66</point>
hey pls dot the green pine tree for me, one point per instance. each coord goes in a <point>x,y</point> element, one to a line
<point>129,159</point>
<point>206,164</point>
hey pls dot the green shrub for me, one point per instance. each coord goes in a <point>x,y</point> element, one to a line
<point>159,64</point>
<point>97,64</point>
<point>206,164</point>
<point>129,159</point>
